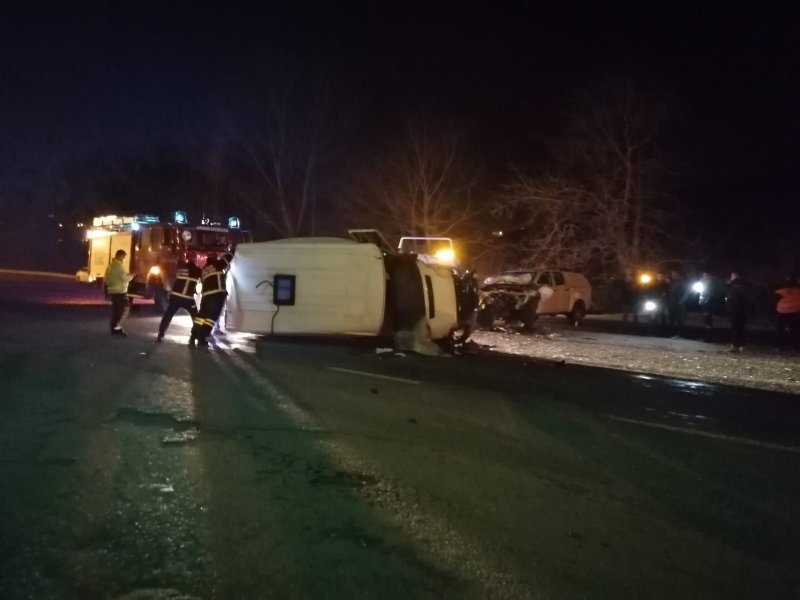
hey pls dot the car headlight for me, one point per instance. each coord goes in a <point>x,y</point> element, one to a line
<point>650,306</point>
<point>155,270</point>
<point>698,287</point>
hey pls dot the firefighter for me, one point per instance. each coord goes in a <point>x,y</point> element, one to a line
<point>182,295</point>
<point>213,298</point>
<point>116,281</point>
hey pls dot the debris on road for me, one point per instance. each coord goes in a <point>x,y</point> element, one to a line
<point>180,437</point>
<point>161,488</point>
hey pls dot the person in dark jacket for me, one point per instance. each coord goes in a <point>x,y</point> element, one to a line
<point>676,296</point>
<point>739,305</point>
<point>182,294</point>
<point>629,293</point>
<point>704,301</point>
<point>213,298</point>
<point>660,294</point>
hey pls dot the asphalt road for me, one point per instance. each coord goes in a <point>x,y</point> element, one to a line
<point>320,468</point>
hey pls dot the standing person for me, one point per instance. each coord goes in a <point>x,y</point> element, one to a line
<point>738,302</point>
<point>661,293</point>
<point>676,299</point>
<point>213,298</point>
<point>116,281</point>
<point>182,294</point>
<point>705,304</point>
<point>630,299</point>
<point>787,318</point>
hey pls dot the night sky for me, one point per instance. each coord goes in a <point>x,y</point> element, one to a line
<point>77,80</point>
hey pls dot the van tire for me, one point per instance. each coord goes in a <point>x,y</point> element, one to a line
<point>578,313</point>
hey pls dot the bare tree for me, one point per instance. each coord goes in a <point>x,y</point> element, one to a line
<point>556,224</point>
<point>422,186</point>
<point>280,145</point>
<point>604,211</point>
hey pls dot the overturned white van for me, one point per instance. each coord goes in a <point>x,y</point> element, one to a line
<point>336,286</point>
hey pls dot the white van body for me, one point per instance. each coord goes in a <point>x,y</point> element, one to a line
<point>340,287</point>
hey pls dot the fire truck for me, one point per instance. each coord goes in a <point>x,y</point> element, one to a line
<point>154,248</point>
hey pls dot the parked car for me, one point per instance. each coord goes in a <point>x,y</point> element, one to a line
<point>83,276</point>
<point>523,295</point>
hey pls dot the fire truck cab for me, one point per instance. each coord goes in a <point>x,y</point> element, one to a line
<point>154,248</point>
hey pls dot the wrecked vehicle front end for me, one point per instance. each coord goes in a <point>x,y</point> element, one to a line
<point>510,297</point>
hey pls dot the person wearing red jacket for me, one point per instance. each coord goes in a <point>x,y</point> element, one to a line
<point>787,317</point>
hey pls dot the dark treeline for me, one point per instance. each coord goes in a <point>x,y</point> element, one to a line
<point>600,190</point>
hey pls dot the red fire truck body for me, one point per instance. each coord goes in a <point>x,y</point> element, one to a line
<point>154,249</point>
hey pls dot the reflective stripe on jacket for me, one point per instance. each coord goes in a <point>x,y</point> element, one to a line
<point>186,278</point>
<point>789,302</point>
<point>214,277</point>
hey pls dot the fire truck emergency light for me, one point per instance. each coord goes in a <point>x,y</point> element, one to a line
<point>181,218</point>
<point>98,233</point>
<point>233,223</point>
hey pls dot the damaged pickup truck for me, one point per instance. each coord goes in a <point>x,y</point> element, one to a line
<point>522,296</point>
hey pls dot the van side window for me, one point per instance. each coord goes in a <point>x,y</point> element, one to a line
<point>559,277</point>
<point>544,279</point>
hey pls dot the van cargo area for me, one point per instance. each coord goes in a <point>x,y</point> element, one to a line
<point>332,286</point>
